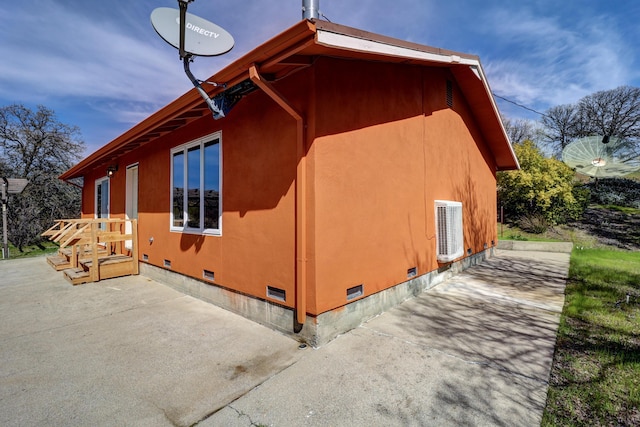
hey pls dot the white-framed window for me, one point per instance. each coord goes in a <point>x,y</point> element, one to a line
<point>196,186</point>
<point>101,206</point>
<point>131,200</point>
<point>101,200</point>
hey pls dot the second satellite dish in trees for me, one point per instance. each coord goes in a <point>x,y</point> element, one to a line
<point>202,38</point>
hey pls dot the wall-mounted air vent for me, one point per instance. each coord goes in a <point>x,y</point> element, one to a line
<point>449,94</point>
<point>449,237</point>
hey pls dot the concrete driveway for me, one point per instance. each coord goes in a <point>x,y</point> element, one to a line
<point>475,350</point>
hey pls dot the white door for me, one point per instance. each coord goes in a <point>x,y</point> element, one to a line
<point>131,202</point>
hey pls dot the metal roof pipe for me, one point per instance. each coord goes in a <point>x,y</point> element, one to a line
<point>310,9</point>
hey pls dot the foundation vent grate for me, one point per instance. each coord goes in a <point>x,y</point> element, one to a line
<point>355,292</point>
<point>412,272</point>
<point>277,294</point>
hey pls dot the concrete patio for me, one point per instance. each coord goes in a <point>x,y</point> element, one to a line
<point>474,350</point>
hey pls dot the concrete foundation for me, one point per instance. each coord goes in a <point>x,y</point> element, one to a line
<point>317,330</point>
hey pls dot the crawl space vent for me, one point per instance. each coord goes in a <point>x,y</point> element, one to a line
<point>209,275</point>
<point>277,294</point>
<point>449,238</point>
<point>355,292</point>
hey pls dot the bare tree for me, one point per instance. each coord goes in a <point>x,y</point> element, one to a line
<point>36,146</point>
<point>520,130</point>
<point>561,125</point>
<point>613,112</point>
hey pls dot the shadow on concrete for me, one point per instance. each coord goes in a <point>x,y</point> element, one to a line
<point>499,318</point>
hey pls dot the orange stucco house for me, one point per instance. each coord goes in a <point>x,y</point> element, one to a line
<point>353,172</point>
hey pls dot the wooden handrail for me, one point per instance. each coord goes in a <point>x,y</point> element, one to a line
<point>75,235</point>
<point>88,239</point>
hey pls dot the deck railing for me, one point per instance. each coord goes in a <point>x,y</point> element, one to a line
<point>95,249</point>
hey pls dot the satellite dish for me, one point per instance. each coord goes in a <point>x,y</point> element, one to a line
<point>202,38</point>
<point>594,157</point>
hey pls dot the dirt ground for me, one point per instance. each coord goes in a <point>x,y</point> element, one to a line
<point>604,228</point>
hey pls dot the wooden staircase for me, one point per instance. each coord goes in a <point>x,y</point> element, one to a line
<point>94,249</point>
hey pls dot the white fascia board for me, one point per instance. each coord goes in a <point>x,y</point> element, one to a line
<point>480,73</point>
<point>341,41</point>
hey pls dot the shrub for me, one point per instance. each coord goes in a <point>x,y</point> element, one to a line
<point>543,188</point>
<point>536,224</point>
<point>616,191</point>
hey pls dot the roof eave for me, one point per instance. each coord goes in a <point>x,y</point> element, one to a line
<point>233,73</point>
<point>295,39</point>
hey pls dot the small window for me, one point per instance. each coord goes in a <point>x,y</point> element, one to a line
<point>196,186</point>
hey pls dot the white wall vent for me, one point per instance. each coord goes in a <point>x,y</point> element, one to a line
<point>449,238</point>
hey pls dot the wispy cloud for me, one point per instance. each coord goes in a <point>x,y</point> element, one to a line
<point>70,55</point>
<point>102,64</point>
<point>545,62</point>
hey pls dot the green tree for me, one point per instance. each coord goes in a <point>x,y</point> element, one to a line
<point>36,146</point>
<point>542,192</point>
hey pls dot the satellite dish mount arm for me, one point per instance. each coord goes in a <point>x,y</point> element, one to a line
<point>183,20</point>
<point>217,113</point>
<point>187,58</point>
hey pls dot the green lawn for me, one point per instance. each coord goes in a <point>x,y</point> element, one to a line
<point>511,232</point>
<point>29,251</point>
<point>595,379</point>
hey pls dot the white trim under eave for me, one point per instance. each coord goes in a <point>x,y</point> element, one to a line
<point>487,88</point>
<point>342,41</point>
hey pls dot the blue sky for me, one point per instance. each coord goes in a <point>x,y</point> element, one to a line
<point>101,66</point>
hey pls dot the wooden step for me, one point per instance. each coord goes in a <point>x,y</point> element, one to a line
<point>77,276</point>
<point>113,266</point>
<point>67,252</point>
<point>106,260</point>
<point>58,262</point>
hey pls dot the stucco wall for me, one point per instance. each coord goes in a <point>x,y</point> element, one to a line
<point>382,146</point>
<point>384,151</point>
<point>256,248</point>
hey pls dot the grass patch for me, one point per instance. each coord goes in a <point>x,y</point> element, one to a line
<point>513,232</point>
<point>31,250</point>
<point>624,209</point>
<point>595,378</point>
<point>553,234</point>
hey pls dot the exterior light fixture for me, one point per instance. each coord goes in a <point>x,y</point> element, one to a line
<point>111,170</point>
